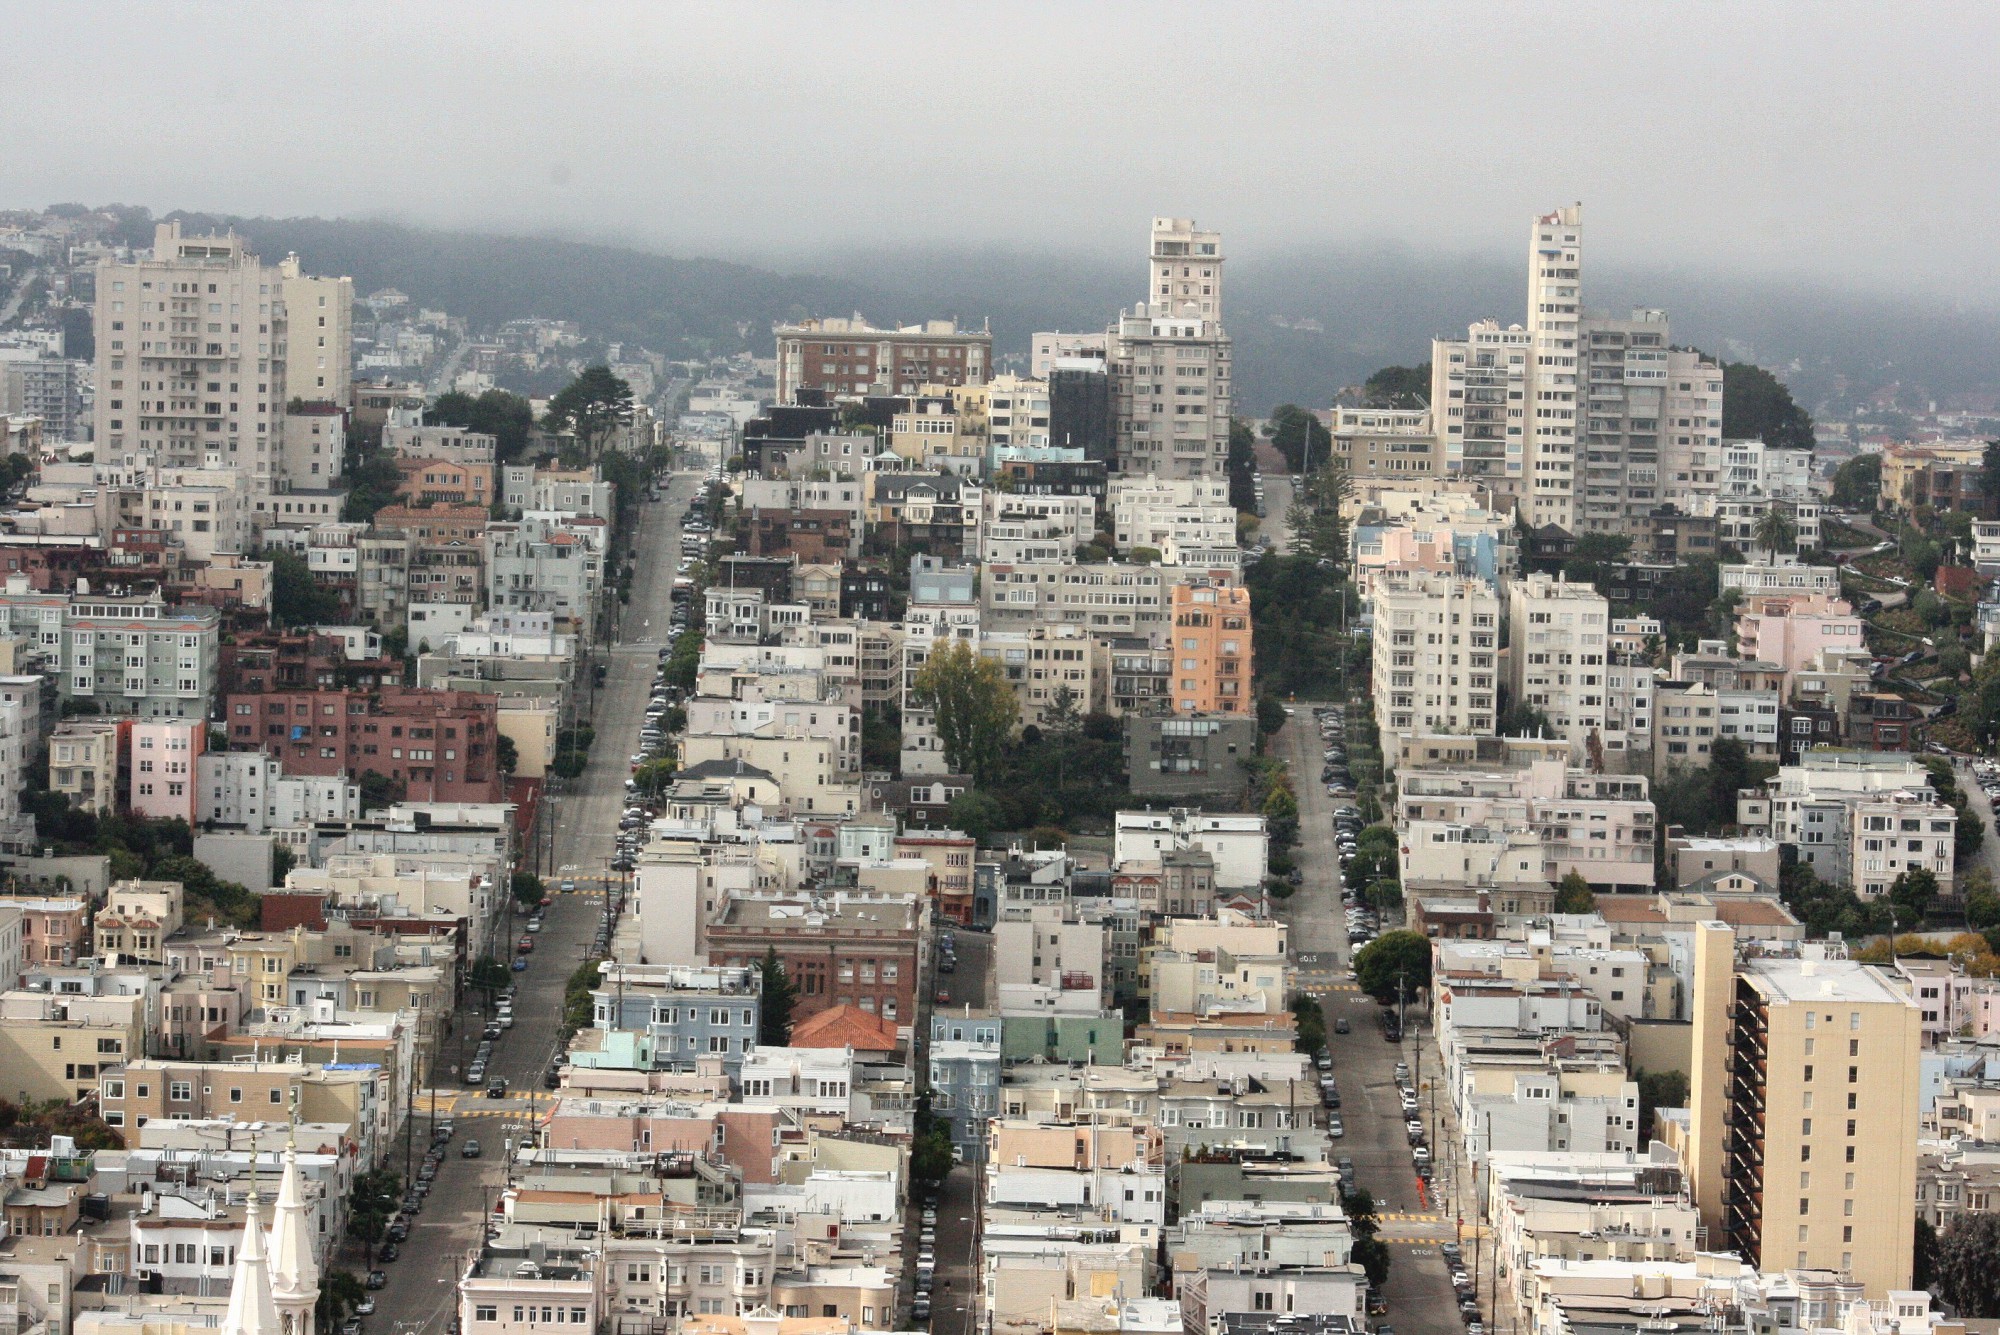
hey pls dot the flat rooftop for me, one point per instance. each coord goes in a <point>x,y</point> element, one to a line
<point>1821,980</point>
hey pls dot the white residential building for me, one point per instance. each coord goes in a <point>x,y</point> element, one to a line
<point>1555,308</point>
<point>1104,598</point>
<point>1239,843</point>
<point>545,562</point>
<point>1435,645</point>
<point>1862,818</point>
<point>1035,527</point>
<point>1635,379</point>
<point>1628,695</point>
<point>1170,361</point>
<point>251,789</point>
<point>1479,395</point>
<point>190,371</point>
<point>1559,634</point>
<point>1690,431</point>
<point>1785,575</point>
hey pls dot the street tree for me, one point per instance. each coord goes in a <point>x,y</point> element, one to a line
<point>1394,958</point>
<point>1301,437</point>
<point>973,706</point>
<point>1968,1265</point>
<point>1398,387</point>
<point>508,418</point>
<point>1756,403</point>
<point>1573,895</point>
<point>1857,484</point>
<point>1775,531</point>
<point>774,1021</point>
<point>591,407</point>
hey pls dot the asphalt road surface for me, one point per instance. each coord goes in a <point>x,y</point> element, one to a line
<point>421,1293</point>
<point>1420,1297</point>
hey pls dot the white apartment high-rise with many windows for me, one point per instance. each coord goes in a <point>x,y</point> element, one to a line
<point>1170,361</point>
<point>1555,308</point>
<point>1652,427</point>
<point>1479,391</point>
<point>1557,636</point>
<point>1436,671</point>
<point>191,355</point>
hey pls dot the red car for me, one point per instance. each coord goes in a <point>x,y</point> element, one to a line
<point>526,945</point>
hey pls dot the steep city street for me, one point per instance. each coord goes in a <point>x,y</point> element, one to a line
<point>1419,1293</point>
<point>419,1295</point>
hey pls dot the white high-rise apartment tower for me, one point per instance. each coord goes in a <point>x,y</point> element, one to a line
<point>1436,658</point>
<point>1170,361</point>
<point>1555,307</point>
<point>190,356</point>
<point>1558,636</point>
<point>1479,395</point>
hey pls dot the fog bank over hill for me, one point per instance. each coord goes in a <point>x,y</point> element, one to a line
<point>1305,322</point>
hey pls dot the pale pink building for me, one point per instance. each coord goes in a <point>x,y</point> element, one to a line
<point>1428,548</point>
<point>744,1137</point>
<point>1792,630</point>
<point>164,751</point>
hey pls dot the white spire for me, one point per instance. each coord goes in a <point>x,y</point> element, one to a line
<point>251,1308</point>
<point>294,1271</point>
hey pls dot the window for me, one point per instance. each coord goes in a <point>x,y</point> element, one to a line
<point>486,1312</point>
<point>179,1091</point>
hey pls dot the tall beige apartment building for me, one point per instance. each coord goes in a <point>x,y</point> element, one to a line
<point>1436,642</point>
<point>1804,1112</point>
<point>1170,361</point>
<point>1557,637</point>
<point>319,322</point>
<point>1479,406</point>
<point>1555,308</point>
<point>191,356</point>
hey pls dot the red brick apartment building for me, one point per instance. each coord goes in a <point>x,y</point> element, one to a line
<point>439,745</point>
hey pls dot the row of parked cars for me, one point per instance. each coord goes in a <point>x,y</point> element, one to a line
<point>1329,1093</point>
<point>920,1307</point>
<point>1333,737</point>
<point>501,1021</point>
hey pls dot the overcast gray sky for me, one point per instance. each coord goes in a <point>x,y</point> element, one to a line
<point>1849,143</point>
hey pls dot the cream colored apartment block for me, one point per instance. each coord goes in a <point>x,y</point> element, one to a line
<point>1436,641</point>
<point>1170,360</point>
<point>1479,406</point>
<point>1805,1112</point>
<point>1396,443</point>
<point>1558,633</point>
<point>191,355</point>
<point>1555,307</point>
<point>319,321</point>
<point>83,763</point>
<point>52,1047</point>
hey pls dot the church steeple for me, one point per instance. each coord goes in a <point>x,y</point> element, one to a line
<point>294,1271</point>
<point>251,1308</point>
